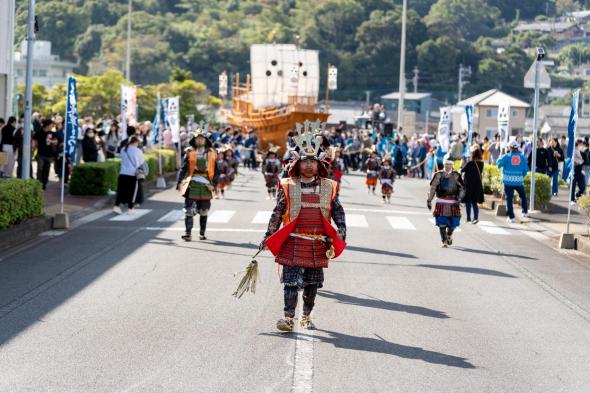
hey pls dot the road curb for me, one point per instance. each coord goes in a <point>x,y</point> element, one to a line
<point>32,228</point>
<point>23,232</point>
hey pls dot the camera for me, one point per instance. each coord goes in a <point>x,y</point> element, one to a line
<point>540,53</point>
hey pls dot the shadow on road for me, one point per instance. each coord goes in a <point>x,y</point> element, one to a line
<point>463,269</point>
<point>497,253</point>
<point>379,252</point>
<point>373,302</point>
<point>379,345</point>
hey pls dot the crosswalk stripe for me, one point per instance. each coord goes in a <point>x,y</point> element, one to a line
<point>401,223</point>
<point>221,216</point>
<point>262,217</point>
<point>381,211</point>
<point>137,213</point>
<point>172,216</point>
<point>356,221</point>
<point>490,227</point>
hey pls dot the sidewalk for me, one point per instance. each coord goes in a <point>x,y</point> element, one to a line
<point>555,218</point>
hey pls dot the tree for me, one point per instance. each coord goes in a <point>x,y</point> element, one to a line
<point>572,55</point>
<point>377,55</point>
<point>61,23</point>
<point>463,19</point>
<point>564,6</point>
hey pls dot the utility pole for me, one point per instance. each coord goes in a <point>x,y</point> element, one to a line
<point>26,169</point>
<point>415,79</point>
<point>402,69</point>
<point>464,72</point>
<point>540,56</point>
<point>368,95</point>
<point>128,55</point>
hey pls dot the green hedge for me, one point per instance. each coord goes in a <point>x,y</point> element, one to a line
<point>542,189</point>
<point>95,178</point>
<point>168,159</point>
<point>492,180</point>
<point>20,200</point>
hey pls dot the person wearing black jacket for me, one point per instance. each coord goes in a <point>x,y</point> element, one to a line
<point>542,162</point>
<point>46,143</point>
<point>473,184</point>
<point>554,157</point>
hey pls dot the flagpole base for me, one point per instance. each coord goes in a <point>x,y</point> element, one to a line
<point>61,221</point>
<point>161,182</point>
<point>501,211</point>
<point>567,241</point>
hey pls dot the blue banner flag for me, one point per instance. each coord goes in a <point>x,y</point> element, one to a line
<point>71,135</point>
<point>571,134</point>
<point>156,123</point>
<point>469,115</point>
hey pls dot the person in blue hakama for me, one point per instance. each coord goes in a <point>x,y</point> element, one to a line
<point>449,189</point>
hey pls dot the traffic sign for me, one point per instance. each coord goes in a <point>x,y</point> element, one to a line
<point>544,79</point>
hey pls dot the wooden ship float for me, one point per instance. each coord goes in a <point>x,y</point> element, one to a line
<point>281,91</point>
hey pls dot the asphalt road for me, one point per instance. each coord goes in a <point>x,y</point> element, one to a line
<point>127,306</point>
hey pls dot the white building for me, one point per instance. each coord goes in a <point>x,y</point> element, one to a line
<point>48,69</point>
<point>6,51</point>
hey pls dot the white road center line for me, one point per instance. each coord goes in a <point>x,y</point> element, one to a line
<point>221,216</point>
<point>356,221</point>
<point>137,213</point>
<point>303,367</point>
<point>491,227</point>
<point>401,223</point>
<point>172,216</point>
<point>262,217</point>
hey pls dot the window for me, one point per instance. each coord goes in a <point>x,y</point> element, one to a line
<point>587,100</point>
<point>491,113</point>
<point>514,113</point>
<point>43,73</point>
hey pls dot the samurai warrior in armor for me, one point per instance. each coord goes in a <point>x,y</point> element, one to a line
<point>449,189</point>
<point>387,177</point>
<point>196,182</point>
<point>307,202</point>
<point>233,163</point>
<point>272,171</point>
<point>223,169</point>
<point>372,165</point>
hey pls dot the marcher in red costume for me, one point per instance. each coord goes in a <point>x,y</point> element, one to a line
<point>307,202</point>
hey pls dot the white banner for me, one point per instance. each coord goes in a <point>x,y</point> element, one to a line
<point>223,84</point>
<point>128,107</point>
<point>444,128</point>
<point>173,118</point>
<point>332,78</point>
<point>504,123</point>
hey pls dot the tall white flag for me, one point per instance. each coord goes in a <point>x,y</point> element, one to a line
<point>504,123</point>
<point>173,117</point>
<point>444,129</point>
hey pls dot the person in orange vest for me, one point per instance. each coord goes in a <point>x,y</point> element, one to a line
<point>196,182</point>
<point>307,203</point>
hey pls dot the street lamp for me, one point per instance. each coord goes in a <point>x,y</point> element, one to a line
<point>128,55</point>
<point>402,69</point>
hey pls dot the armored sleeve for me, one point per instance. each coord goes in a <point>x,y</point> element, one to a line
<point>339,217</point>
<point>433,186</point>
<point>183,171</point>
<point>276,217</point>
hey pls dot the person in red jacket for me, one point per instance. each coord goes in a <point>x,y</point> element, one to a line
<point>307,202</point>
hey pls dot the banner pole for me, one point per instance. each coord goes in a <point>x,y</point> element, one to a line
<point>63,159</point>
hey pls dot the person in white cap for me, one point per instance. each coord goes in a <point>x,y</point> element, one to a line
<point>514,169</point>
<point>449,189</point>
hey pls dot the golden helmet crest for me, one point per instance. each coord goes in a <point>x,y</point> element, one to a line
<point>309,138</point>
